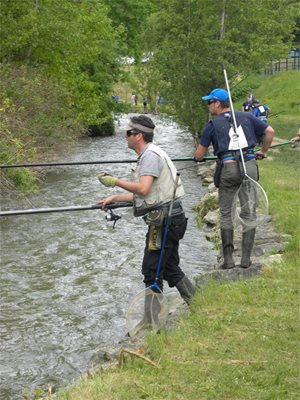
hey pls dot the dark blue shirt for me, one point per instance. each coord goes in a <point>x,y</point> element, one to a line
<point>255,129</point>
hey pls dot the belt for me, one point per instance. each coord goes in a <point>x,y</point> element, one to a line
<point>176,210</point>
<point>236,155</point>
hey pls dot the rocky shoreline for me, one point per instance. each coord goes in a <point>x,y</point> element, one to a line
<point>267,249</point>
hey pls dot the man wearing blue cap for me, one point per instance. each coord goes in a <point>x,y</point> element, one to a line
<point>218,133</point>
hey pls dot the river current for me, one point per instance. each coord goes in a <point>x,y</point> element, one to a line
<point>67,278</point>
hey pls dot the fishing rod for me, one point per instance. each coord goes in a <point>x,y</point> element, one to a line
<point>274,145</point>
<point>58,164</point>
<point>110,217</point>
<point>276,114</point>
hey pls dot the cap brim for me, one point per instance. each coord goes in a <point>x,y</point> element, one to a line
<point>205,98</point>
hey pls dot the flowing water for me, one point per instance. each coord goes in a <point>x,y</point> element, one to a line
<point>67,278</point>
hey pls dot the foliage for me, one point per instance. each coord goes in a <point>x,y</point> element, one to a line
<point>241,90</point>
<point>190,43</point>
<point>35,117</point>
<point>73,41</point>
<point>127,17</point>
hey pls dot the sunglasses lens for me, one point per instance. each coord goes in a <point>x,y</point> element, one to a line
<point>131,132</point>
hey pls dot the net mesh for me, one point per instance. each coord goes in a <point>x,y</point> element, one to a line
<point>250,206</point>
<point>148,310</point>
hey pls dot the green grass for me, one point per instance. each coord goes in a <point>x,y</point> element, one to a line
<point>281,93</point>
<point>240,340</point>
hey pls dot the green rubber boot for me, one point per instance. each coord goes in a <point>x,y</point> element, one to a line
<point>227,246</point>
<point>247,246</point>
<point>186,289</point>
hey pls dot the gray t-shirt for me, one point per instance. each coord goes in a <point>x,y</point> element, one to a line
<point>151,164</point>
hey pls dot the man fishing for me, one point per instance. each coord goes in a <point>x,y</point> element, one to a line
<point>228,175</point>
<point>151,190</point>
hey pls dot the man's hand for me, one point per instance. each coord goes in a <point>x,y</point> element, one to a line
<point>104,202</point>
<point>260,155</point>
<point>107,180</point>
<point>198,161</point>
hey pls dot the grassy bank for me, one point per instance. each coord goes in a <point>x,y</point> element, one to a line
<point>281,93</point>
<point>240,340</point>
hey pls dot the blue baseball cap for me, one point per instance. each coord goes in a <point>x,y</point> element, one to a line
<point>217,94</point>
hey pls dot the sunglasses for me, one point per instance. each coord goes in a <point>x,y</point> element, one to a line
<point>131,132</point>
<point>211,102</point>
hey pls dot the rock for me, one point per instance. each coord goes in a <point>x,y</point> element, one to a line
<point>274,258</point>
<point>211,218</point>
<point>212,189</point>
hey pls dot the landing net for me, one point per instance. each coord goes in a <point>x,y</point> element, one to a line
<point>148,310</point>
<point>250,206</point>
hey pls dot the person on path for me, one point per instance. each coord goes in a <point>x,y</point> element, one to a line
<point>145,101</point>
<point>228,176</point>
<point>133,99</point>
<point>151,191</point>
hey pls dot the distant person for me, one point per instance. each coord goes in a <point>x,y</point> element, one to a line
<point>246,106</point>
<point>296,139</point>
<point>260,110</point>
<point>145,101</point>
<point>250,96</point>
<point>133,99</point>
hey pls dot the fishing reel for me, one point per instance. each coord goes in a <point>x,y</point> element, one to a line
<point>112,217</point>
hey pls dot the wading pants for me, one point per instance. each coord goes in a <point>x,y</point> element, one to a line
<point>231,178</point>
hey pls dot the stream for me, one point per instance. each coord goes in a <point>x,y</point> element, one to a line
<point>67,278</point>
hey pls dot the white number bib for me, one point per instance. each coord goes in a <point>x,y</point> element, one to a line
<point>238,139</point>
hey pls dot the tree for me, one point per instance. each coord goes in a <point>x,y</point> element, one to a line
<point>73,41</point>
<point>192,39</point>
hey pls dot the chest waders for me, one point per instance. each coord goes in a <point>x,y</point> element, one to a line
<point>249,196</point>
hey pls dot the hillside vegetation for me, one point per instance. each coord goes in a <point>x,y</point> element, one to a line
<point>281,92</point>
<point>241,339</point>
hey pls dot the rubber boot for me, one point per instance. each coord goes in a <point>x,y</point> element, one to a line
<point>186,289</point>
<point>227,246</point>
<point>247,246</point>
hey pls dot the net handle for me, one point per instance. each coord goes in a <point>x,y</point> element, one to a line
<point>234,120</point>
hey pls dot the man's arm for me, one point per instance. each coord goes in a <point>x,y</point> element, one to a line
<point>268,138</point>
<point>142,187</point>
<point>116,198</point>
<point>200,152</point>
